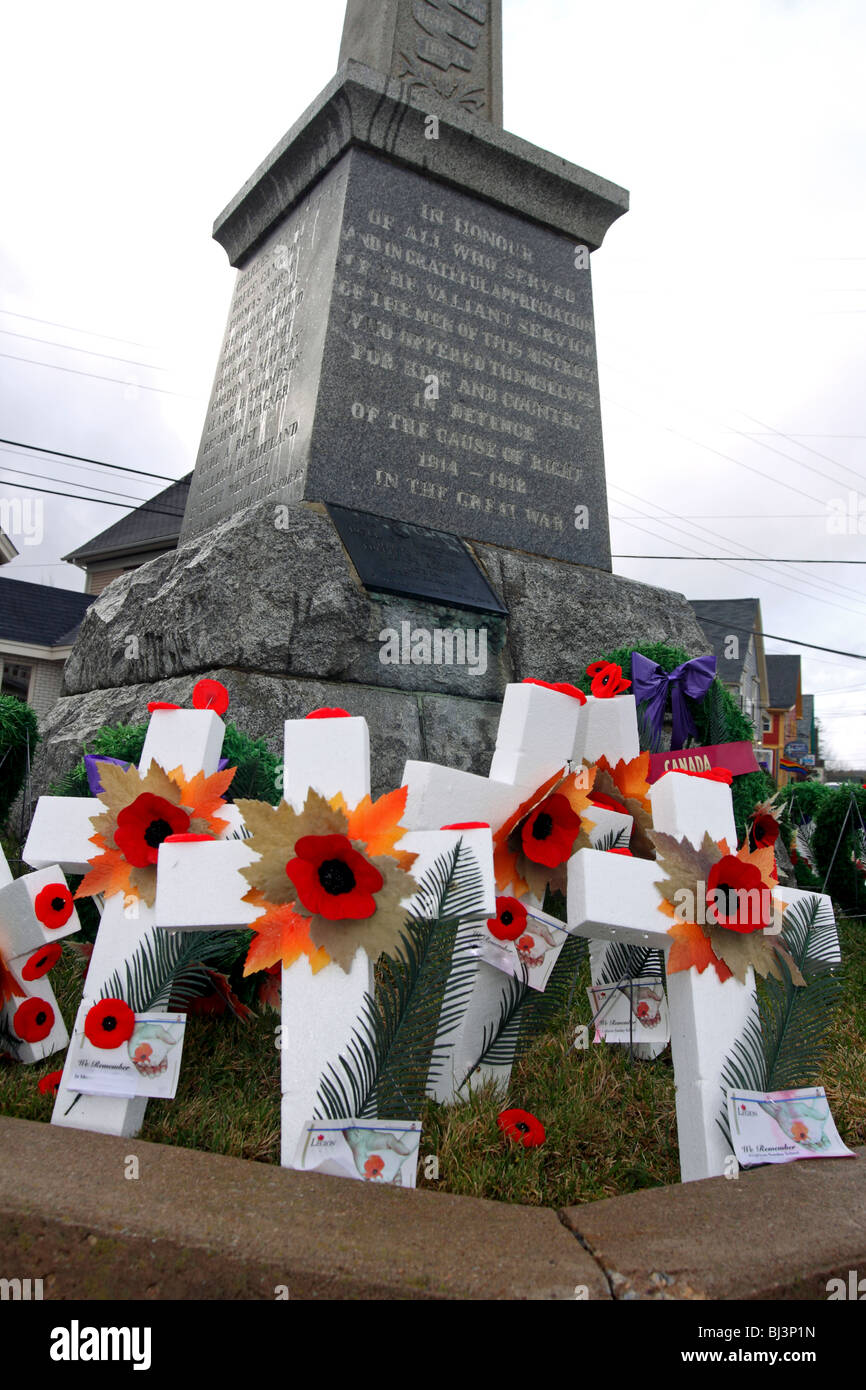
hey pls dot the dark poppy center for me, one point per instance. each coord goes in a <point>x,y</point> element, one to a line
<point>506,918</point>
<point>336,877</point>
<point>41,1018</point>
<point>40,962</point>
<point>731,902</point>
<point>156,832</point>
<point>58,904</point>
<point>109,1023</point>
<point>542,826</point>
<point>522,1126</point>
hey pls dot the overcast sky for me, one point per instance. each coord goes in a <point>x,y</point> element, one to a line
<point>730,301</point>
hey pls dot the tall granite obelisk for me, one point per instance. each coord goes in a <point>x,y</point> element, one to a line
<point>404,433</point>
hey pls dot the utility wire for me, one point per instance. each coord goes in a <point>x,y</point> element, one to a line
<point>50,323</point>
<point>88,352</point>
<point>113,380</point>
<point>774,637</point>
<point>49,478</point>
<point>103,502</point>
<point>718,559</point>
<point>119,467</point>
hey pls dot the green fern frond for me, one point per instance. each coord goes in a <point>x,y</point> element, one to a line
<point>649,738</point>
<point>526,1013</point>
<point>421,994</point>
<point>168,966</point>
<point>621,962</point>
<point>784,1045</point>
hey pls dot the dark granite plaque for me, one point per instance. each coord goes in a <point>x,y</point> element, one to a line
<point>397,557</point>
<point>416,353</point>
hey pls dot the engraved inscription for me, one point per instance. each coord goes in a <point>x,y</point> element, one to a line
<point>464,344</point>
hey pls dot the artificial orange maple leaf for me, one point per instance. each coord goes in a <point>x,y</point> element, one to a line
<point>110,874</point>
<point>204,796</point>
<point>691,948</point>
<point>377,824</point>
<point>282,935</point>
<point>631,778</point>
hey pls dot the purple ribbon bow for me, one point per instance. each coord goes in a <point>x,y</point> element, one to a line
<point>650,685</point>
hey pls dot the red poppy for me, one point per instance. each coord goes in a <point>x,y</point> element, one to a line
<point>763,831</point>
<point>154,705</point>
<point>53,906</point>
<point>33,1020</point>
<point>610,802</point>
<point>799,1132</point>
<point>208,694</point>
<point>333,879</point>
<point>736,896</point>
<point>375,1166</point>
<point>110,1023</point>
<point>327,712</point>
<point>142,827</point>
<point>550,832</point>
<point>186,839</point>
<point>43,961</point>
<point>49,1084</point>
<point>562,686</point>
<point>642,1009</point>
<point>526,944</point>
<point>523,1127</point>
<point>606,679</point>
<point>626,852</point>
<point>509,921</point>
<point>467,825</point>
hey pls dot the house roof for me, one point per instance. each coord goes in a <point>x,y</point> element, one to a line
<point>154,525</point>
<point>7,549</point>
<point>722,618</point>
<point>804,724</point>
<point>40,615</point>
<point>784,676</point>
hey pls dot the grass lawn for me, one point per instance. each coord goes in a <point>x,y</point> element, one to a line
<point>610,1124</point>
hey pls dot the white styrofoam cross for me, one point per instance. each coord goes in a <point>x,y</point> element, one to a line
<point>199,886</point>
<point>62,829</point>
<point>27,905</point>
<point>536,739</point>
<point>615,898</point>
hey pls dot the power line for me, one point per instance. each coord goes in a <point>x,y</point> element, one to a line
<point>49,478</point>
<point>50,323</point>
<point>718,559</point>
<point>774,637</point>
<point>88,352</point>
<point>672,526</point>
<point>113,380</point>
<point>119,467</point>
<point>72,497</point>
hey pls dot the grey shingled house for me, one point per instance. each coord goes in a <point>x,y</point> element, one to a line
<point>37,629</point>
<point>734,631</point>
<point>149,531</point>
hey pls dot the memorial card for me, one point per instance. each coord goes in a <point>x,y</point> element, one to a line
<point>633,1011</point>
<point>378,1151</point>
<point>531,956</point>
<point>780,1126</point>
<point>147,1063</point>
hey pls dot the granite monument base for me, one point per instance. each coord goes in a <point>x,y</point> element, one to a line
<point>269,603</point>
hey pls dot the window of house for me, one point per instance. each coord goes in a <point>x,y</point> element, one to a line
<point>767,724</point>
<point>15,680</point>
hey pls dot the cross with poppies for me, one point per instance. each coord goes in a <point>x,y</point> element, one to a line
<point>325,879</point>
<point>114,839</point>
<point>36,912</point>
<point>709,909</point>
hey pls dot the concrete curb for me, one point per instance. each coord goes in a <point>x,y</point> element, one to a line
<point>196,1225</point>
